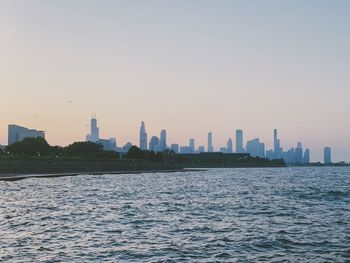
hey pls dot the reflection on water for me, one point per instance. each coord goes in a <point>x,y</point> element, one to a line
<point>220,215</point>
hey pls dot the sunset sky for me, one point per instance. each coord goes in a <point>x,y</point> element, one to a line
<point>184,65</point>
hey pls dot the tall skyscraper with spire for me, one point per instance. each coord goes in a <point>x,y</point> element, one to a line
<point>143,137</point>
<point>94,135</point>
<point>210,142</point>
<point>276,145</point>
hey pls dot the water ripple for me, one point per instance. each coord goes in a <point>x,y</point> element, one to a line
<point>221,215</point>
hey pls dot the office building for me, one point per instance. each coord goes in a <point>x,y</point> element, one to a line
<point>307,156</point>
<point>239,141</point>
<point>162,141</point>
<point>143,137</point>
<point>210,142</point>
<point>327,155</point>
<point>223,149</point>
<point>252,147</point>
<point>261,150</point>
<point>299,153</point>
<point>192,146</point>
<point>229,145</point>
<point>154,144</point>
<point>201,149</point>
<point>109,144</point>
<point>255,148</point>
<point>185,150</point>
<point>175,147</point>
<point>277,145</point>
<point>289,156</point>
<point>17,133</point>
<point>270,154</point>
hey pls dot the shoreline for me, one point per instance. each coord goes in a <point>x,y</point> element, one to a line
<point>17,169</point>
<point>17,177</point>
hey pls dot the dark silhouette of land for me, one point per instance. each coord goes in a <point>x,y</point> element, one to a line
<point>36,156</point>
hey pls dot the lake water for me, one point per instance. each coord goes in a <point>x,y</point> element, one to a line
<point>219,215</point>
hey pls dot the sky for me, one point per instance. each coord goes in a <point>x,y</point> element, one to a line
<point>189,66</point>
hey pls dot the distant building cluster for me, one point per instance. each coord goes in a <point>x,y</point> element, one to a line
<point>94,136</point>
<point>254,147</point>
<point>295,155</point>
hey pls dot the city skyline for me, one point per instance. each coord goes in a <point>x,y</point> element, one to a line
<point>187,66</point>
<point>255,147</point>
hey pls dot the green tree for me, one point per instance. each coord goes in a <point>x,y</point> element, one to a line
<point>83,149</point>
<point>135,153</point>
<point>31,147</point>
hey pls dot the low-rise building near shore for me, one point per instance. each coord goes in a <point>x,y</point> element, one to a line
<point>18,133</point>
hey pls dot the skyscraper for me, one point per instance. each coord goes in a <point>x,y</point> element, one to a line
<point>261,150</point>
<point>256,148</point>
<point>192,146</point>
<point>290,156</point>
<point>229,145</point>
<point>327,155</point>
<point>276,145</point>
<point>239,141</point>
<point>143,137</point>
<point>299,153</point>
<point>307,156</point>
<point>175,147</point>
<point>270,155</point>
<point>109,144</point>
<point>210,142</point>
<point>94,135</point>
<point>162,141</point>
<point>154,144</point>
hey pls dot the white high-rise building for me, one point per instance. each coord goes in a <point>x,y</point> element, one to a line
<point>143,137</point>
<point>18,133</point>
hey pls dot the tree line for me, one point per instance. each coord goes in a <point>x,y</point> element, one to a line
<point>39,147</point>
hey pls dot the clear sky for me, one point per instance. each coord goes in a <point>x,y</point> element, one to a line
<point>184,65</point>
